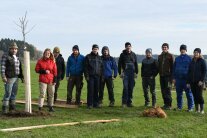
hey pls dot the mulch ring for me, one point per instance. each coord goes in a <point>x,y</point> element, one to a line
<point>20,114</point>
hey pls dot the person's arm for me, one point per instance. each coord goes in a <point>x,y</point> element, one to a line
<point>54,73</point>
<point>86,71</point>
<point>115,68</point>
<point>136,64</point>
<point>3,68</point>
<point>203,70</point>
<point>63,69</point>
<point>38,68</point>
<point>120,64</point>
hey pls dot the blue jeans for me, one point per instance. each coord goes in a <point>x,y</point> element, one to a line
<point>128,83</point>
<point>180,87</point>
<point>11,87</point>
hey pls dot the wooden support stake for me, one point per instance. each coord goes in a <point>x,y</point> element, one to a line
<point>54,125</point>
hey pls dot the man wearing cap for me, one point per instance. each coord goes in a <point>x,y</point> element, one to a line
<point>11,70</point>
<point>74,74</point>
<point>110,73</point>
<point>149,71</point>
<point>165,62</point>
<point>60,63</point>
<point>128,70</point>
<point>196,77</point>
<point>180,74</point>
<point>93,70</point>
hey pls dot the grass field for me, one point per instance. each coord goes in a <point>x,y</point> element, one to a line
<point>178,123</point>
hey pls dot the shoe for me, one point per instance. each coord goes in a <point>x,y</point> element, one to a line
<point>167,108</point>
<point>130,105</point>
<point>124,105</point>
<point>202,112</point>
<point>89,107</point>
<point>111,104</point>
<point>177,109</point>
<point>12,107</point>
<point>68,102</point>
<point>51,109</point>
<point>40,108</point>
<point>147,105</point>
<point>190,110</point>
<point>4,110</point>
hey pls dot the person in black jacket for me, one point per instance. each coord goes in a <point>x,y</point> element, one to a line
<point>93,71</point>
<point>128,70</point>
<point>149,71</point>
<point>60,63</point>
<point>11,70</point>
<point>196,78</point>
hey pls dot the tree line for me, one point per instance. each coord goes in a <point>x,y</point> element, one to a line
<point>34,52</point>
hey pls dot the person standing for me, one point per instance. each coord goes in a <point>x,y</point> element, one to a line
<point>11,70</point>
<point>110,73</point>
<point>180,74</point>
<point>74,74</point>
<point>128,70</point>
<point>60,63</point>
<point>93,70</point>
<point>46,67</point>
<point>149,71</point>
<point>196,78</point>
<point>165,62</point>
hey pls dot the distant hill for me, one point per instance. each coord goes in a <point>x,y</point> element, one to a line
<point>34,52</point>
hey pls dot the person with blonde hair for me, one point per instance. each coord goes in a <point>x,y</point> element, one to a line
<point>47,69</point>
<point>196,77</point>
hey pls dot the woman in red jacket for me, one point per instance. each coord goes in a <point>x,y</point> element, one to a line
<point>47,69</point>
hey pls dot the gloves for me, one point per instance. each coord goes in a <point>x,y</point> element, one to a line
<point>200,83</point>
<point>188,86</point>
<point>121,75</point>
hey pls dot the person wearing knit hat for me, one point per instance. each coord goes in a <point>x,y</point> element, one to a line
<point>165,64</point>
<point>11,70</point>
<point>128,71</point>
<point>110,73</point>
<point>93,71</point>
<point>196,78</point>
<point>149,71</point>
<point>180,75</point>
<point>60,63</point>
<point>74,75</point>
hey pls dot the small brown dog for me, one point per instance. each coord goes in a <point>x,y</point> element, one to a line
<point>155,112</point>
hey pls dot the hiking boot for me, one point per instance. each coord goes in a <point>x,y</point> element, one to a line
<point>40,108</point>
<point>202,112</point>
<point>130,105</point>
<point>147,104</point>
<point>51,109</point>
<point>4,110</point>
<point>68,102</point>
<point>12,107</point>
<point>111,104</point>
<point>190,110</point>
<point>124,105</point>
<point>89,107</point>
<point>177,109</point>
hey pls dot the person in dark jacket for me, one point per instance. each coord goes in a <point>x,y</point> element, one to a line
<point>110,73</point>
<point>74,74</point>
<point>11,70</point>
<point>196,78</point>
<point>93,70</point>
<point>180,73</point>
<point>60,63</point>
<point>165,62</point>
<point>149,71</point>
<point>128,70</point>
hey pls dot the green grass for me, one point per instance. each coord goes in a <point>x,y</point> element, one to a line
<point>178,123</point>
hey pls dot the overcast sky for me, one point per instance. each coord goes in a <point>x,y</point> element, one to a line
<point>144,23</point>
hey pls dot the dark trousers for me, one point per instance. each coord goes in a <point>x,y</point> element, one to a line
<point>110,86</point>
<point>197,93</point>
<point>74,81</point>
<point>56,89</point>
<point>166,84</point>
<point>93,89</point>
<point>146,84</point>
<point>128,83</point>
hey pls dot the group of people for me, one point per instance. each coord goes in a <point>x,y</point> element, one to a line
<point>185,73</point>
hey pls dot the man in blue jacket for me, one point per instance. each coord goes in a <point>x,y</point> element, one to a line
<point>180,73</point>
<point>74,74</point>
<point>110,73</point>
